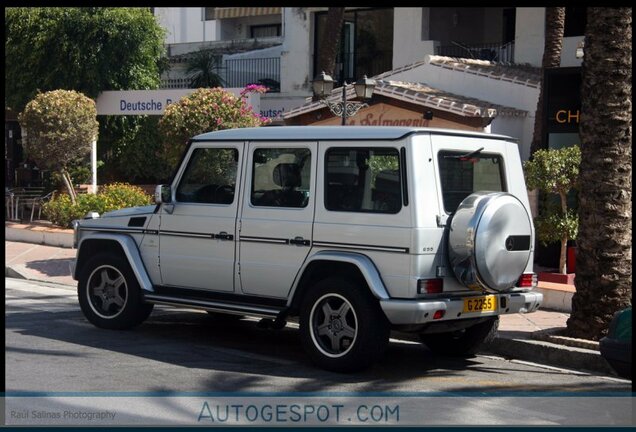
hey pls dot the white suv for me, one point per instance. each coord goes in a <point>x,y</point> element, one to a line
<point>354,230</point>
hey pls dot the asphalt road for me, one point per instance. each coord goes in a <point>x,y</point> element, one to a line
<point>52,349</point>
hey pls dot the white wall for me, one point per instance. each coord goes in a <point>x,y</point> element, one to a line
<point>186,25</point>
<point>410,35</point>
<point>239,28</point>
<point>491,90</point>
<point>568,53</point>
<point>296,57</point>
<point>529,34</point>
<point>530,39</point>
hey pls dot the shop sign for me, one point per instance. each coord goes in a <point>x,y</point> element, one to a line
<point>563,100</point>
<point>151,102</point>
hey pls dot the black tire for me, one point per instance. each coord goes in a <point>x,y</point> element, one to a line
<point>464,342</point>
<point>361,332</point>
<point>109,294</point>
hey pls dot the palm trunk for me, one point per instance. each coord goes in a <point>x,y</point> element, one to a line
<point>554,24</point>
<point>331,40</point>
<point>604,242</point>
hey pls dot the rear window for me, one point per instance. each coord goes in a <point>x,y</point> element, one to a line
<point>462,173</point>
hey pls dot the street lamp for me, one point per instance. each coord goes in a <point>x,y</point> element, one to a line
<point>323,85</point>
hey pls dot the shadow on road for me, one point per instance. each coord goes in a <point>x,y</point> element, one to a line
<point>190,339</point>
<point>52,267</point>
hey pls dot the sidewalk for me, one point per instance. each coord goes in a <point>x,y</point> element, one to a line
<point>527,337</point>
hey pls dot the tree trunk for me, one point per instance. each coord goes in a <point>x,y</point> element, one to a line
<point>553,45</point>
<point>604,242</point>
<point>564,240</point>
<point>563,256</point>
<point>69,185</point>
<point>330,41</point>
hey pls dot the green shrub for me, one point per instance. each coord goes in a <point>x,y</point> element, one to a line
<point>61,211</point>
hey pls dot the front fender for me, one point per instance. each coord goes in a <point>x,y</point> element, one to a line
<point>128,246</point>
<point>362,262</point>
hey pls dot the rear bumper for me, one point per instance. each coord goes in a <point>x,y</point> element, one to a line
<point>422,311</point>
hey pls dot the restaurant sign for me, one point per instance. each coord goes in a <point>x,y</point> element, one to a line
<point>382,114</point>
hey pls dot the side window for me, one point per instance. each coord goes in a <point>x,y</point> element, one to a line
<point>280,177</point>
<point>363,180</point>
<point>210,177</point>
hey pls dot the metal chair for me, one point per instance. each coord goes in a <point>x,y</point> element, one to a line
<point>39,202</point>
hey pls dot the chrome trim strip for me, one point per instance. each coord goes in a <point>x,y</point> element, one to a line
<point>186,234</point>
<point>111,229</point>
<point>361,247</point>
<point>212,305</point>
<point>263,240</point>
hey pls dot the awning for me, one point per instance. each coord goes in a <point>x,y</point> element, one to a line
<point>236,12</point>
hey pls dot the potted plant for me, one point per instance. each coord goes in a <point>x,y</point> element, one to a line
<point>555,171</point>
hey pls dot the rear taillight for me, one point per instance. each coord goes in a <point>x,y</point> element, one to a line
<point>430,286</point>
<point>527,280</point>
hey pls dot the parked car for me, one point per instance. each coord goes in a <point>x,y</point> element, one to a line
<point>616,347</point>
<point>353,230</point>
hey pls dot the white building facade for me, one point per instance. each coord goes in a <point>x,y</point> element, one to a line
<point>278,46</point>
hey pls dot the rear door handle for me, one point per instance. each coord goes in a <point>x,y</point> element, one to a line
<point>223,236</point>
<point>299,241</point>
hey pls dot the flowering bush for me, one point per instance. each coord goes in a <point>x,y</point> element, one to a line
<point>61,211</point>
<point>206,110</point>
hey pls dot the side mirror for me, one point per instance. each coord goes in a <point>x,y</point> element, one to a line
<point>163,194</point>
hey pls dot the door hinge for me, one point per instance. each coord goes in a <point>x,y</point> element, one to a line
<point>442,220</point>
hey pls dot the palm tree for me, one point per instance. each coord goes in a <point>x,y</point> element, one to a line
<point>202,69</point>
<point>604,243</point>
<point>553,45</point>
<point>330,41</point>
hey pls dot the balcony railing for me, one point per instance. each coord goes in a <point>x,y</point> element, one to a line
<point>501,53</point>
<point>241,72</point>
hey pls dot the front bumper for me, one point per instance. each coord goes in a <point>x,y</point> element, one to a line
<point>422,311</point>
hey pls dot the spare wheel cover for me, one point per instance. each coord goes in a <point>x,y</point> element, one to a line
<point>490,241</point>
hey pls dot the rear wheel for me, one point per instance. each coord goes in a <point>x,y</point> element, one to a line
<point>463,342</point>
<point>109,294</point>
<point>342,326</point>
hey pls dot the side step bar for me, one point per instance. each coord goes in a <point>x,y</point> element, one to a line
<point>215,306</point>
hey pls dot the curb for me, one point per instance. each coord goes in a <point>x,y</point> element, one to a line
<point>556,299</point>
<point>10,272</point>
<point>540,351</point>
<point>39,235</point>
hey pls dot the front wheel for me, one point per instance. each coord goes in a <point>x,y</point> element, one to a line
<point>109,294</point>
<point>342,326</point>
<point>463,342</point>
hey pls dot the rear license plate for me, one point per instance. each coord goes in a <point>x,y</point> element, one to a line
<point>480,304</point>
